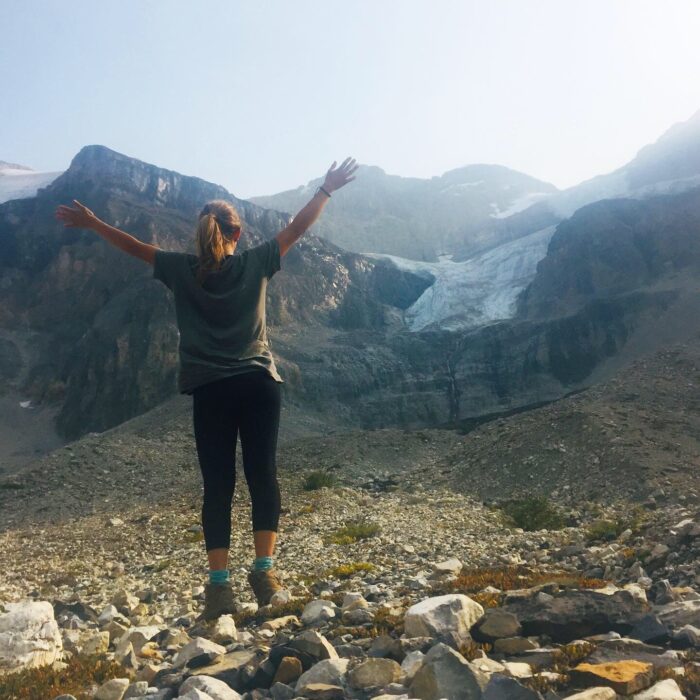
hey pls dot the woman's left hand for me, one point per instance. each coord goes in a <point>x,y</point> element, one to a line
<point>79,216</point>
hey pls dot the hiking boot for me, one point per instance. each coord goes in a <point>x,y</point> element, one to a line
<point>264,585</point>
<point>218,600</point>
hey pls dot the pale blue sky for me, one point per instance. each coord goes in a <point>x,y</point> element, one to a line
<point>261,96</point>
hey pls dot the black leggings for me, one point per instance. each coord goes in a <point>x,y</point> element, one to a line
<point>249,403</point>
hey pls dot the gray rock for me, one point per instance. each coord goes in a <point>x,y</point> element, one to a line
<point>513,645</point>
<point>281,691</point>
<point>683,612</point>
<point>196,647</point>
<point>374,673</point>
<point>317,611</point>
<point>328,671</point>
<point>136,690</point>
<point>314,644</point>
<point>445,673</point>
<point>496,624</point>
<point>504,688</point>
<point>113,689</point>
<point>576,614</point>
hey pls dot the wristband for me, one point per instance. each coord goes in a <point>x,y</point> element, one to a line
<point>325,191</point>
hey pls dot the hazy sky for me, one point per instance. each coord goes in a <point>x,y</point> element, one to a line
<point>261,96</point>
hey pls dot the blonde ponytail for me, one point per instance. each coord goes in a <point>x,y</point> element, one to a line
<point>218,225</point>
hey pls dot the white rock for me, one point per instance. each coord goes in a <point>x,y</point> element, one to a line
<point>216,689</point>
<point>317,611</point>
<point>431,617</point>
<point>195,694</point>
<point>449,566</point>
<point>638,593</point>
<point>109,612</point>
<point>197,646</point>
<point>349,598</point>
<point>411,663</point>
<point>663,690</point>
<point>224,630</point>
<point>113,689</point>
<point>517,669</point>
<point>329,671</point>
<point>29,636</point>
<point>97,643</point>
<point>280,597</point>
<point>599,693</point>
<point>137,637</point>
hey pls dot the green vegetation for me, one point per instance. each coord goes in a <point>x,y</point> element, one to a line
<point>318,479</point>
<point>352,532</point>
<point>80,673</point>
<point>347,570</point>
<point>534,513</point>
<point>473,581</point>
<point>607,530</point>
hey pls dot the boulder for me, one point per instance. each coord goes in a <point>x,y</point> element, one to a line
<point>374,672</point>
<point>442,615</point>
<point>29,636</point>
<point>317,611</point>
<point>663,690</point>
<point>196,647</point>
<point>314,644</point>
<point>445,673</point>
<point>496,624</point>
<point>113,689</point>
<point>216,689</point>
<point>288,671</point>
<point>680,613</point>
<point>576,614</point>
<point>504,688</point>
<point>328,671</point>
<point>624,677</point>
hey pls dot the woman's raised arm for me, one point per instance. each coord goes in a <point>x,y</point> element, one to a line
<point>335,179</point>
<point>81,217</point>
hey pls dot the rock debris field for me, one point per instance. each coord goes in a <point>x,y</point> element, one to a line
<point>396,584</point>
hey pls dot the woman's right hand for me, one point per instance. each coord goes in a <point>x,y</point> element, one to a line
<point>338,177</point>
<point>76,217</point>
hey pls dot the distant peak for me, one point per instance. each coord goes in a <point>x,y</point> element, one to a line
<point>4,165</point>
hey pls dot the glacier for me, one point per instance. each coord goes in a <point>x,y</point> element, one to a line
<point>20,183</point>
<point>477,291</point>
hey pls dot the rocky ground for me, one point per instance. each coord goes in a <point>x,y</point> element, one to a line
<point>397,583</point>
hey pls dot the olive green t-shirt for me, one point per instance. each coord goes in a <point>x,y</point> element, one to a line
<point>222,322</point>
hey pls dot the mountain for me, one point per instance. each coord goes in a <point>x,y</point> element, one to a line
<point>87,332</point>
<point>484,287</point>
<point>419,219</point>
<point>101,330</point>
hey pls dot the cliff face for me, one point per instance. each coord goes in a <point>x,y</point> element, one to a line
<point>613,247</point>
<point>105,329</point>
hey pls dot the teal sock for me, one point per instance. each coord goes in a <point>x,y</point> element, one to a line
<point>219,576</point>
<point>262,563</point>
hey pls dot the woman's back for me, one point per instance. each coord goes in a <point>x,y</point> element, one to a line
<point>222,320</point>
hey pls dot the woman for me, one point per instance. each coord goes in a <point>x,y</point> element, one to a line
<point>227,367</point>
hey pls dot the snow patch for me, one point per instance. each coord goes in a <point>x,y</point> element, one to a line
<point>519,204</point>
